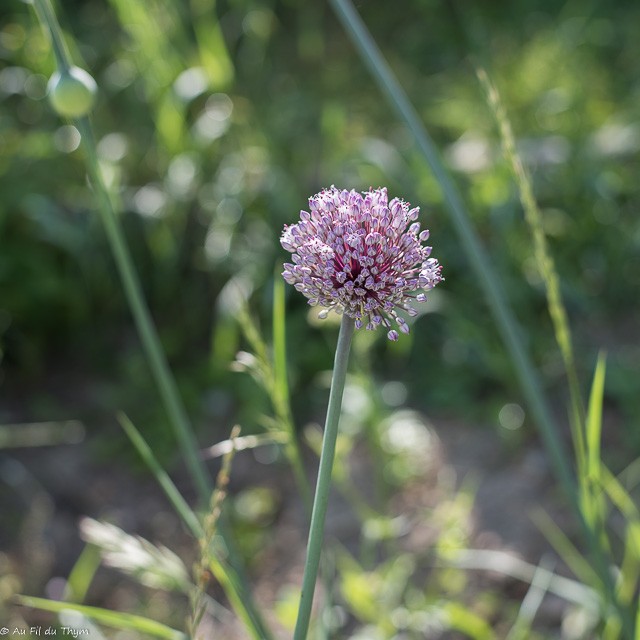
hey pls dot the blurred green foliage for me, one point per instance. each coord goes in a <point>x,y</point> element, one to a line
<point>217,120</point>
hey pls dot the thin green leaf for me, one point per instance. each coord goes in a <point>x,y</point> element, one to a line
<point>567,551</point>
<point>280,394</point>
<point>109,618</point>
<point>82,573</point>
<point>590,462</point>
<point>223,573</point>
<point>471,624</point>
<point>479,260</point>
<point>271,375</point>
<point>239,598</point>
<point>630,565</point>
<point>594,420</point>
<point>171,491</point>
<point>629,573</point>
<point>619,495</point>
<point>279,342</point>
<point>213,51</point>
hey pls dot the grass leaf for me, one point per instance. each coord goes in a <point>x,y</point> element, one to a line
<point>280,342</point>
<point>126,621</point>
<point>239,598</point>
<point>171,491</point>
<point>567,551</point>
<point>82,573</point>
<point>594,420</point>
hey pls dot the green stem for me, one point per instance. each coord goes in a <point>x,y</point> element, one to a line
<point>560,321</point>
<point>148,335</point>
<point>47,17</point>
<point>323,486</point>
<point>237,587</point>
<point>511,335</point>
<point>280,390</point>
<point>133,292</point>
<point>157,361</point>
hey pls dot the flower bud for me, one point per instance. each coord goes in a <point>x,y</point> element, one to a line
<point>72,92</point>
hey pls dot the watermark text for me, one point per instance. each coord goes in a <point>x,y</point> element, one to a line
<point>65,632</point>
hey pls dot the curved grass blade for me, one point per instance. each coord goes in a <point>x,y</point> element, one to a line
<point>82,574</point>
<point>539,587</point>
<point>508,565</point>
<point>240,599</point>
<point>171,491</point>
<point>125,621</point>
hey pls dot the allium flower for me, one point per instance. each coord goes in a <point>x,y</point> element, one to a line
<point>354,253</point>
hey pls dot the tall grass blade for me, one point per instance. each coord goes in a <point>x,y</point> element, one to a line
<point>280,342</point>
<point>567,551</point>
<point>234,588</point>
<point>213,51</point>
<point>629,571</point>
<point>630,566</point>
<point>533,217</point>
<point>162,477</point>
<point>478,258</point>
<point>587,503</point>
<point>271,374</point>
<point>281,400</point>
<point>593,500</point>
<point>594,421</point>
<point>124,621</point>
<point>619,495</point>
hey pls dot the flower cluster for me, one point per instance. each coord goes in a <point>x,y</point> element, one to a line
<point>362,255</point>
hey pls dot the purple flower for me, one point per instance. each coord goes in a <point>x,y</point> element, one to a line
<point>362,255</point>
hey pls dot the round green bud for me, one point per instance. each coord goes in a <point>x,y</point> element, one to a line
<point>72,93</point>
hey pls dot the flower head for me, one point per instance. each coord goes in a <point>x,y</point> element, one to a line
<point>362,255</point>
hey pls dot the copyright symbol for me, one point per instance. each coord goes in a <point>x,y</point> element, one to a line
<point>4,631</point>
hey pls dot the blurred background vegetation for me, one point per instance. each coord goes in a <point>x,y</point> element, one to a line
<point>217,120</point>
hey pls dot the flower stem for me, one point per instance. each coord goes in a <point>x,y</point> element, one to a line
<point>47,17</point>
<point>233,578</point>
<point>148,335</point>
<point>323,484</point>
<point>150,341</point>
